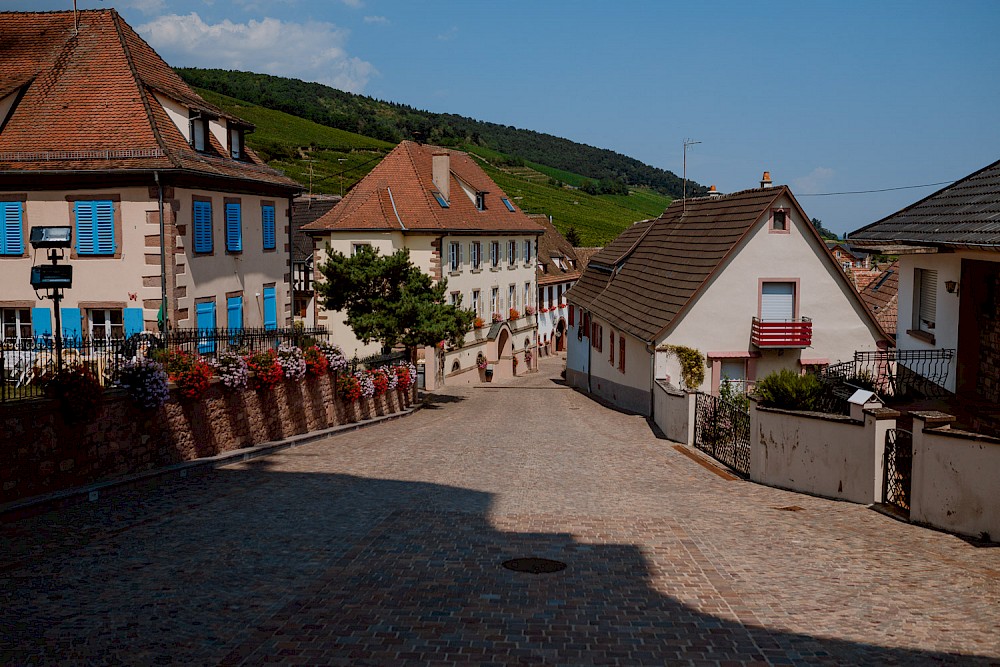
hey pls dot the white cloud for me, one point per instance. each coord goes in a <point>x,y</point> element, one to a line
<point>311,51</point>
<point>147,6</point>
<point>813,181</point>
<point>449,34</point>
<point>376,19</point>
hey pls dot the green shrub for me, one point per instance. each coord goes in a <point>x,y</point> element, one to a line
<point>790,391</point>
<point>692,365</point>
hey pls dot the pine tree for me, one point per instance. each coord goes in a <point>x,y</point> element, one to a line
<point>573,236</point>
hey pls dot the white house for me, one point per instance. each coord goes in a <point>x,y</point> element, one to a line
<point>742,278</point>
<point>557,271</point>
<point>458,225</point>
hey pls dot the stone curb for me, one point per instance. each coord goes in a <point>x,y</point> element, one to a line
<point>34,505</point>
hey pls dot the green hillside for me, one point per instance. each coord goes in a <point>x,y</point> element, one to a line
<point>339,159</point>
<point>392,122</point>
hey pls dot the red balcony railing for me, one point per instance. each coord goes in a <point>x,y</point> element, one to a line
<point>782,333</point>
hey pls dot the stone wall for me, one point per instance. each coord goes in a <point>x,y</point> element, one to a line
<point>41,453</point>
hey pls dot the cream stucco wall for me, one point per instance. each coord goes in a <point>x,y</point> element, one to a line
<point>630,389</point>
<point>466,279</point>
<point>221,273</point>
<point>178,113</point>
<point>720,318</point>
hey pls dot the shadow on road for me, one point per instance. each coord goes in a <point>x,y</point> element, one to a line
<point>256,563</point>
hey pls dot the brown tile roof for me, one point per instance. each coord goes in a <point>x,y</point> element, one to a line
<point>964,214</point>
<point>306,209</point>
<point>882,297</point>
<point>552,245</point>
<point>643,280</point>
<point>87,102</point>
<point>583,256</point>
<point>398,195</point>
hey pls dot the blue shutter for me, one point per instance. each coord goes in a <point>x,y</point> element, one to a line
<point>41,323</point>
<point>203,226</point>
<point>267,216</point>
<point>104,222</point>
<point>205,313</point>
<point>270,308</point>
<point>11,235</point>
<point>85,242</point>
<point>132,321</point>
<point>234,231</point>
<point>234,312</point>
<point>71,324</point>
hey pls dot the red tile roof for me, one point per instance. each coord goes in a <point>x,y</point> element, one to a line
<point>87,102</point>
<point>882,297</point>
<point>398,195</point>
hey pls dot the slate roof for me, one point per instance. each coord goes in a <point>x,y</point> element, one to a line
<point>87,103</point>
<point>964,214</point>
<point>643,280</point>
<point>398,195</point>
<point>881,296</point>
<point>552,245</point>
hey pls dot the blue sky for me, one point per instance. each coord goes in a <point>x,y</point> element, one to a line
<point>827,96</point>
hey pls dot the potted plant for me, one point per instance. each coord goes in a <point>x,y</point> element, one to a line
<point>513,314</point>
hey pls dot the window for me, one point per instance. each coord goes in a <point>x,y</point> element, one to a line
<point>512,297</point>
<point>494,254</point>
<point>454,256</point>
<point>511,253</point>
<point>527,252</point>
<point>235,143</point>
<point>356,248</point>
<point>527,295</point>
<point>480,201</point>
<point>267,223</point>
<point>11,228</point>
<point>596,336</point>
<point>506,202</point>
<point>234,228</point>
<point>199,131</point>
<point>477,255</point>
<point>16,324</point>
<point>105,323</point>
<point>270,307</point>
<point>777,302</point>
<point>733,373</point>
<point>440,199</point>
<point>95,227</point>
<point>925,300</point>
<point>455,299</point>
<point>495,300</point>
<point>234,312</point>
<point>477,306</point>
<point>202,219</point>
<point>621,353</point>
<point>779,220</point>
<point>551,301</point>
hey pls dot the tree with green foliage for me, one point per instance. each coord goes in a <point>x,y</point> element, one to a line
<point>823,231</point>
<point>389,299</point>
<point>573,236</point>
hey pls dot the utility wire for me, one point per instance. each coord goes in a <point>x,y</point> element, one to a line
<point>865,192</point>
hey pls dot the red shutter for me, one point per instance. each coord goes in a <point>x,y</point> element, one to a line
<point>621,353</point>
<point>611,348</point>
<point>571,315</point>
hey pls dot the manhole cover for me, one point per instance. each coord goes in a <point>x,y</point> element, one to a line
<point>534,565</point>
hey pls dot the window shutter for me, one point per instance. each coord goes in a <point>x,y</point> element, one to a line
<point>928,299</point>
<point>234,312</point>
<point>205,314</point>
<point>270,308</point>
<point>104,223</point>
<point>202,226</point>
<point>777,302</point>
<point>267,217</point>
<point>621,353</point>
<point>234,232</point>
<point>11,235</point>
<point>84,211</point>
<point>71,323</point>
<point>611,348</point>
<point>571,308</point>
<point>41,322</point>
<point>132,321</point>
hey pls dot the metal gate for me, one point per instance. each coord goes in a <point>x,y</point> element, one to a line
<point>722,430</point>
<point>897,468</point>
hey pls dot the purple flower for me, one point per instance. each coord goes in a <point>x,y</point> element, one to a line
<point>232,371</point>
<point>146,382</point>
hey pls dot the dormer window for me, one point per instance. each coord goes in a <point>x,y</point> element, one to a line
<point>199,131</point>
<point>480,201</point>
<point>236,143</point>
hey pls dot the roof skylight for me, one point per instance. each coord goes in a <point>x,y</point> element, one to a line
<point>506,202</point>
<point>440,199</point>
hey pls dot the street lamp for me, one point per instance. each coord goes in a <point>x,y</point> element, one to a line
<point>54,278</point>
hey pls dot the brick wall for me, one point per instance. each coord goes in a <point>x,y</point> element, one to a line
<point>40,453</point>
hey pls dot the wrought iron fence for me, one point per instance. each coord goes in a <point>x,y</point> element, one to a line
<point>894,375</point>
<point>378,360</point>
<point>22,362</point>
<point>722,430</point>
<point>897,468</point>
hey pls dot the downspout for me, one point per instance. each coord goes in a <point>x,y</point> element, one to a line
<point>590,348</point>
<point>652,381</point>
<point>164,307</point>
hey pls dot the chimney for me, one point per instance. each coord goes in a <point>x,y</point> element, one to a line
<point>765,181</point>
<point>441,173</point>
<point>713,193</point>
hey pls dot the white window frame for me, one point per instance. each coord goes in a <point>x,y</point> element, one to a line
<point>18,323</point>
<point>477,303</point>
<point>527,251</point>
<point>511,253</point>
<point>454,256</point>
<point>108,326</point>
<point>494,254</point>
<point>477,255</point>
<point>355,246</point>
<point>924,298</point>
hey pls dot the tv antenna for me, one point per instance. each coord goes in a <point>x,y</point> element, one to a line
<point>687,142</point>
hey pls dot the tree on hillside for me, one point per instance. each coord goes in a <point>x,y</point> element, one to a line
<point>823,231</point>
<point>388,299</point>
<point>573,236</point>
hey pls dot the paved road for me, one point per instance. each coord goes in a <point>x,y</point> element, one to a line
<point>384,546</point>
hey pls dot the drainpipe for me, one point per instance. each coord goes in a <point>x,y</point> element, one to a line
<point>652,381</point>
<point>164,308</point>
<point>590,348</point>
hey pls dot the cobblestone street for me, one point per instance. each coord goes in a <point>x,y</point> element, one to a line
<point>384,546</point>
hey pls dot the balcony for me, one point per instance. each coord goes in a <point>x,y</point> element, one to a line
<point>775,334</point>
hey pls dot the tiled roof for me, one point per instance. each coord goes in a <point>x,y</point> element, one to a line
<point>583,256</point>
<point>598,271</point>
<point>87,102</point>
<point>964,214</point>
<point>398,195</point>
<point>552,246</point>
<point>306,209</point>
<point>882,297</point>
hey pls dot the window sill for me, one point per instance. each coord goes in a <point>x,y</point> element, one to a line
<point>479,270</point>
<point>494,268</point>
<point>454,273</point>
<point>922,335</point>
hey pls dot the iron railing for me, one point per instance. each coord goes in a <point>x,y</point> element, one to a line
<point>378,360</point>
<point>895,375</point>
<point>722,430</point>
<point>21,362</point>
<point>897,469</point>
